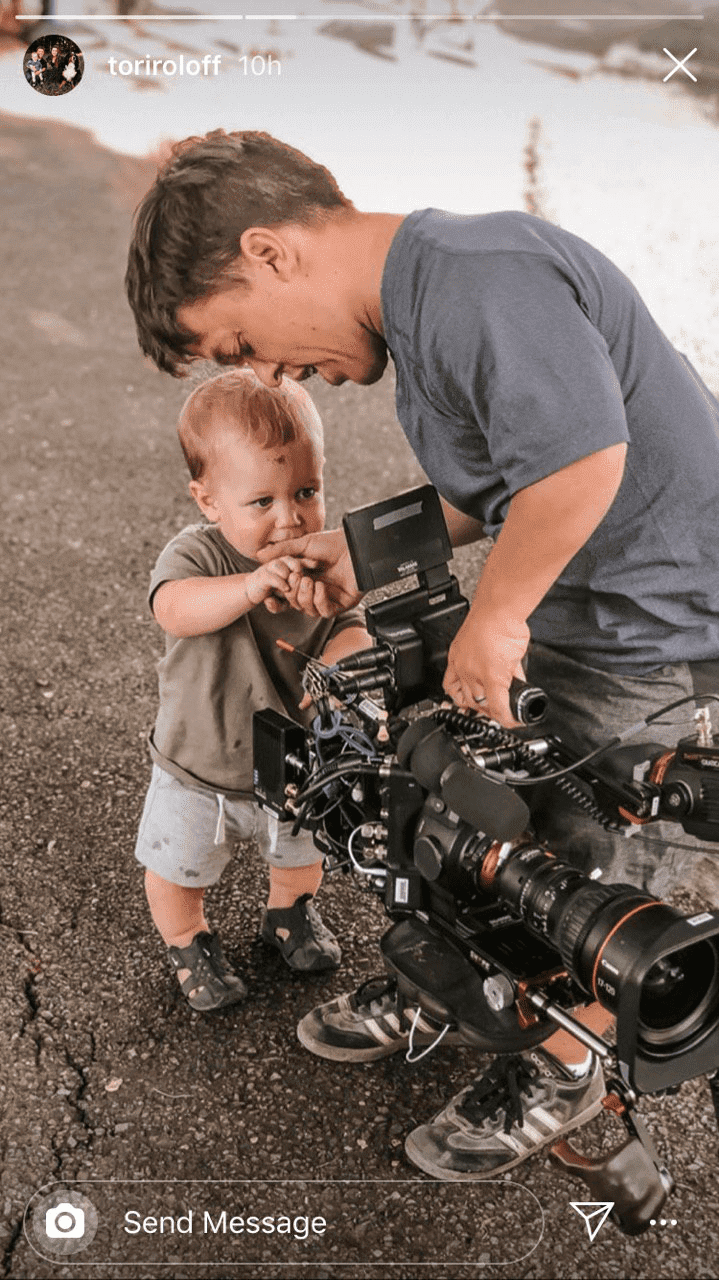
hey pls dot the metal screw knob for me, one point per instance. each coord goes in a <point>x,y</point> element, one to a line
<point>498,992</point>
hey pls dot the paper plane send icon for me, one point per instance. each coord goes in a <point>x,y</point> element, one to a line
<point>594,1212</point>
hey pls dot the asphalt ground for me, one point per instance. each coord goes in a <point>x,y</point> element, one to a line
<point>111,1084</point>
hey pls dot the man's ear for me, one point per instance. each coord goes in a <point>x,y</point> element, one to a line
<point>264,247</point>
<point>204,499</point>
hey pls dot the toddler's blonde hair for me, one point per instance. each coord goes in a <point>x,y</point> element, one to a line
<point>237,403</point>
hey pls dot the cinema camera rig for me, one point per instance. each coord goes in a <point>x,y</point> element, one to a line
<point>492,933</point>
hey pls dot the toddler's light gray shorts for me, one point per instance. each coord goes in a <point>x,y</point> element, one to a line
<point>186,833</point>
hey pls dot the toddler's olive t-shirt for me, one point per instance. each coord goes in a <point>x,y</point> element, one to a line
<point>210,685</point>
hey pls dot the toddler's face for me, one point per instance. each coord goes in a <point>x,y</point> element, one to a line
<point>261,496</point>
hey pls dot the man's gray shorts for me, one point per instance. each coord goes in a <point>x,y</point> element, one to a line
<point>587,708</point>
<point>186,833</point>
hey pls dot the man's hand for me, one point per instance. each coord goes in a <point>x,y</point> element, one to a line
<point>546,525</point>
<point>485,655</point>
<point>333,588</point>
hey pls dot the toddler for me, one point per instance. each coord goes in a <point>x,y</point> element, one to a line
<point>35,64</point>
<point>256,459</point>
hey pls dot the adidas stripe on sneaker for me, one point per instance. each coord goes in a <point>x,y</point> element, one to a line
<point>520,1104</point>
<point>371,1022</point>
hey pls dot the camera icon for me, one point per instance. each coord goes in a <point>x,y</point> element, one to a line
<point>61,1222</point>
<point>65,1222</point>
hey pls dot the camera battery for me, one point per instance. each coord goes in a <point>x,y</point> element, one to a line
<point>277,742</point>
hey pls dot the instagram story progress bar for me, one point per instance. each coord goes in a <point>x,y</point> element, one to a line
<point>369,17</point>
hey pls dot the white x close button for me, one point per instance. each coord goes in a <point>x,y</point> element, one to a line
<point>680,66</point>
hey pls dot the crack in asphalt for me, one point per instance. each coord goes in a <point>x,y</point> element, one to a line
<point>77,1102</point>
<point>11,1245</point>
<point>29,1021</point>
<point>75,1099</point>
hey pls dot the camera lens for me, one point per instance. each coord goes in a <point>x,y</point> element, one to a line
<point>602,932</point>
<point>678,993</point>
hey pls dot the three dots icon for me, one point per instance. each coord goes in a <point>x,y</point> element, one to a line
<point>662,1222</point>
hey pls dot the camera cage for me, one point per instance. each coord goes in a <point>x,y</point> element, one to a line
<point>492,933</point>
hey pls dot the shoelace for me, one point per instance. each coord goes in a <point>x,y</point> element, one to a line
<point>375,989</point>
<point>501,1087</point>
<point>411,1055</point>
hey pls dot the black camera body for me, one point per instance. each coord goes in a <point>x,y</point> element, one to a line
<point>491,932</point>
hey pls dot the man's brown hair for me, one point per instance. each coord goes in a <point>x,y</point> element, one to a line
<point>237,403</point>
<point>187,229</point>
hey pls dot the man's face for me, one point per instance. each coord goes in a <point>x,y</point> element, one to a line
<point>294,327</point>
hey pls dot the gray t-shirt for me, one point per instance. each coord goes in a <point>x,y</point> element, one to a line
<point>210,685</point>
<point>520,349</point>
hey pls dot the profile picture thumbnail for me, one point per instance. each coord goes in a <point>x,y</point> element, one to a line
<point>53,65</point>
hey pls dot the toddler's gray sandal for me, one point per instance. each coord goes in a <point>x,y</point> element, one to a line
<point>309,946</point>
<point>211,982</point>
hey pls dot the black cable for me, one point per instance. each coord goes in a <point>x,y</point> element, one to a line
<point>301,815</point>
<point>494,735</point>
<point>680,702</point>
<point>579,797</point>
<point>335,765</point>
<point>570,768</point>
<point>307,805</point>
<point>329,776</point>
<point>627,733</point>
<point>470,724</point>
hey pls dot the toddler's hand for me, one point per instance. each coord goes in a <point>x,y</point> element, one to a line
<point>333,587</point>
<point>270,583</point>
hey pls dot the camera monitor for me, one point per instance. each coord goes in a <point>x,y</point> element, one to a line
<point>393,539</point>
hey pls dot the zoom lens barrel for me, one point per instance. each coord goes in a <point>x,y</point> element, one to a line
<point>604,934</point>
